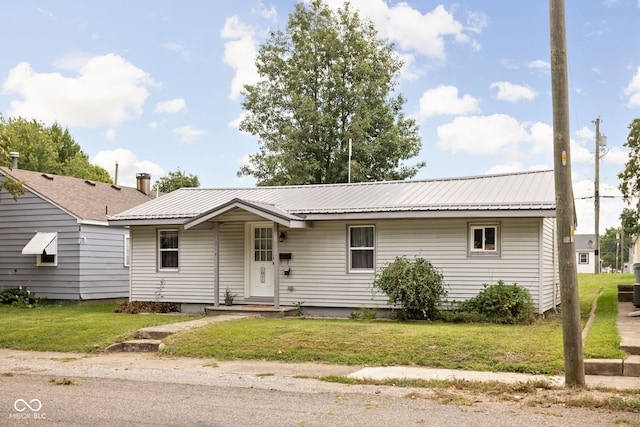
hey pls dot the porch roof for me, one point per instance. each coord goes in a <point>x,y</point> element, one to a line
<point>513,194</point>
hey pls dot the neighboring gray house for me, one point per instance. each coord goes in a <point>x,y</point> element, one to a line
<point>585,252</point>
<point>55,239</point>
<point>323,244</point>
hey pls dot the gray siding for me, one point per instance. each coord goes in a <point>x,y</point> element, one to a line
<point>102,270</point>
<point>19,221</point>
<point>89,268</point>
<point>319,275</point>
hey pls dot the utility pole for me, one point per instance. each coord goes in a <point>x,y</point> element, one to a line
<point>596,200</point>
<point>565,215</point>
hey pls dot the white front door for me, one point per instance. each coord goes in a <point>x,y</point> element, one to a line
<point>261,260</point>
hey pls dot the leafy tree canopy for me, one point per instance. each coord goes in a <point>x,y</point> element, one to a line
<point>49,149</point>
<point>14,187</point>
<point>630,176</point>
<point>175,180</point>
<point>327,80</point>
<point>610,249</point>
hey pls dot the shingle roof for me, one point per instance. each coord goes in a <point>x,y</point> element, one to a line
<point>585,242</point>
<point>86,200</point>
<point>524,191</point>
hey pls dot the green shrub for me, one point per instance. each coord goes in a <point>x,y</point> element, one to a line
<point>18,296</point>
<point>498,303</point>
<point>416,286</point>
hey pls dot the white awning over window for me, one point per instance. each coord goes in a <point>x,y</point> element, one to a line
<point>42,242</point>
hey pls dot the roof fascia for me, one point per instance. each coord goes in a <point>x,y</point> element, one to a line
<point>542,213</point>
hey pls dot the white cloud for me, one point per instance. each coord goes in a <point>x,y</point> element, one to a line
<point>542,137</point>
<point>412,30</point>
<point>539,64</point>
<point>188,134</point>
<point>239,54</point>
<point>182,52</point>
<point>445,100</point>
<point>510,92</point>
<point>267,13</point>
<point>481,134</point>
<point>107,91</point>
<point>128,165</point>
<point>109,134</point>
<point>616,156</point>
<point>633,90</point>
<point>171,106</point>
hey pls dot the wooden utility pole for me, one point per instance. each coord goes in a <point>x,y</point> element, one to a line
<point>596,202</point>
<point>565,216</point>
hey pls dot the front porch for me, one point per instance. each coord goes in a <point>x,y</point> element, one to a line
<point>268,311</point>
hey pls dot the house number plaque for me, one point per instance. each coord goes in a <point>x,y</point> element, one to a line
<point>262,278</point>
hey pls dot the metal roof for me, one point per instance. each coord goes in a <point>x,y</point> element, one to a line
<point>526,192</point>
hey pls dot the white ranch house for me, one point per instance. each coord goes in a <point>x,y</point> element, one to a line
<point>323,244</point>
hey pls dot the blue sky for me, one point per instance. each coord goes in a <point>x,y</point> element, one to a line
<point>155,85</point>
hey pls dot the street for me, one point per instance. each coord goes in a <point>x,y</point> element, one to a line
<point>146,390</point>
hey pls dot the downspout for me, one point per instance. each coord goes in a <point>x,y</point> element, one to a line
<point>541,260</point>
<point>275,236</point>
<point>216,265</point>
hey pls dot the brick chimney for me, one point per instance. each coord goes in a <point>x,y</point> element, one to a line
<point>143,182</point>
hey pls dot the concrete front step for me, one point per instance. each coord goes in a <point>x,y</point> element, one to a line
<point>251,310</point>
<point>629,367</point>
<point>143,345</point>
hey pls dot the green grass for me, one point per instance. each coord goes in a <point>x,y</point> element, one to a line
<point>531,349</point>
<point>63,327</point>
<point>602,341</point>
<point>534,348</point>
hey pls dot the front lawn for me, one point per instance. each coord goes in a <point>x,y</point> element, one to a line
<point>535,348</point>
<point>63,327</point>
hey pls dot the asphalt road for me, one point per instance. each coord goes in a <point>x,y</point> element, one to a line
<point>56,390</point>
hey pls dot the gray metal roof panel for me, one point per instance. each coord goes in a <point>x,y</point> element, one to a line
<point>513,191</point>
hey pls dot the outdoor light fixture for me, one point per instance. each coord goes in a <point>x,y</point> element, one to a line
<point>283,236</point>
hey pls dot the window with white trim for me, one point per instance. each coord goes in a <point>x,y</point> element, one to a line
<point>127,251</point>
<point>168,249</point>
<point>484,239</point>
<point>361,248</point>
<point>584,258</point>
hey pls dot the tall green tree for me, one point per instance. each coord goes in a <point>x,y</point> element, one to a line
<point>630,176</point>
<point>9,184</point>
<point>49,149</point>
<point>175,180</point>
<point>327,80</point>
<point>613,250</point>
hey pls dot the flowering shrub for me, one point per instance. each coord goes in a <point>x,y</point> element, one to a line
<point>18,296</point>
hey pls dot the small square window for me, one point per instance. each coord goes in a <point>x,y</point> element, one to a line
<point>584,258</point>
<point>484,239</point>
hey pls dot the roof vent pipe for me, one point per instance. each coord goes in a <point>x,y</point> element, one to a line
<point>143,182</point>
<point>14,159</point>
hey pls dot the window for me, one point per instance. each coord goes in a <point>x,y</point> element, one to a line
<point>484,239</point>
<point>46,260</point>
<point>168,249</point>
<point>262,244</point>
<point>361,248</point>
<point>127,251</point>
<point>584,258</point>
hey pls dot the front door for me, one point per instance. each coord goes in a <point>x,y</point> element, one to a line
<point>261,261</point>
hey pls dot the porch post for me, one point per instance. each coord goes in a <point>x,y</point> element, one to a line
<point>216,266</point>
<point>276,265</point>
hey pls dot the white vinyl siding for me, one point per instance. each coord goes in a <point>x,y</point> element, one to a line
<point>193,283</point>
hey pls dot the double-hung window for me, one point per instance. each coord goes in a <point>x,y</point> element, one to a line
<point>484,239</point>
<point>584,258</point>
<point>168,249</point>
<point>361,248</point>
